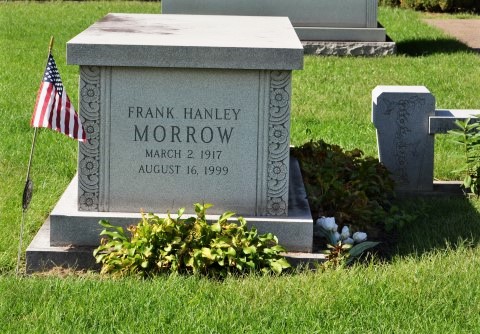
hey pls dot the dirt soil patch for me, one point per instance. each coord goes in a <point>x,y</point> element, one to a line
<point>465,30</point>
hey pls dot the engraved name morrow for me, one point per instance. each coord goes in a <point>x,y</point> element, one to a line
<point>89,151</point>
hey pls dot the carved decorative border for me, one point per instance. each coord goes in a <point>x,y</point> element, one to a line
<point>89,151</point>
<point>278,143</point>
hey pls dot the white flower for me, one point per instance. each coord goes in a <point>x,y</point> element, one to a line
<point>345,233</point>
<point>327,223</point>
<point>336,237</point>
<point>348,241</point>
<point>359,237</point>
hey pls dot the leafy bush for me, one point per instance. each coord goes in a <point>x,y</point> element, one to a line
<point>415,4</point>
<point>435,5</point>
<point>162,245</point>
<point>431,6</point>
<point>445,5</point>
<point>468,136</point>
<point>354,189</point>
<point>459,5</point>
<point>391,3</point>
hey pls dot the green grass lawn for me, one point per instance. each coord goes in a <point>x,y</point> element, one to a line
<point>430,284</point>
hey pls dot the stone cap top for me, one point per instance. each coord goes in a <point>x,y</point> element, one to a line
<point>190,41</point>
<point>399,89</point>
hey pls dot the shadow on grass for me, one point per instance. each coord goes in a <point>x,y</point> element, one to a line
<point>441,223</point>
<point>425,47</point>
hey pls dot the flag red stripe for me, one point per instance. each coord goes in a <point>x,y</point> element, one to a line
<point>41,110</point>
<point>47,107</point>
<point>76,126</point>
<point>38,101</point>
<point>38,105</point>
<point>54,111</point>
<point>67,120</point>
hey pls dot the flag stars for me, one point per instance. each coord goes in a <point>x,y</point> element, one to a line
<point>52,75</point>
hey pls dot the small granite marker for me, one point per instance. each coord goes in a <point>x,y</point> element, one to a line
<point>407,121</point>
<point>181,109</point>
<point>400,114</point>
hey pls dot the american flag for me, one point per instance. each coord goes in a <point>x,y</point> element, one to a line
<point>53,108</point>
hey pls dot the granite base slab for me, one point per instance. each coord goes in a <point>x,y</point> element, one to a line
<point>43,257</point>
<point>336,48</point>
<point>40,256</point>
<point>341,34</point>
<point>440,189</point>
<point>69,236</point>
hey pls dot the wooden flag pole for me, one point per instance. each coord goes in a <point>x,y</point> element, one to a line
<point>28,189</point>
<point>27,196</point>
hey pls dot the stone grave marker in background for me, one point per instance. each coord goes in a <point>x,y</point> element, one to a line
<point>400,115</point>
<point>407,121</point>
<point>182,109</point>
<point>324,26</point>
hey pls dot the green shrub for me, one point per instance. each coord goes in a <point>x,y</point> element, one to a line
<point>431,5</point>
<point>468,136</point>
<point>354,189</point>
<point>435,5</point>
<point>469,3</point>
<point>391,3</point>
<point>167,245</point>
<point>415,4</point>
<point>445,5</point>
<point>466,5</point>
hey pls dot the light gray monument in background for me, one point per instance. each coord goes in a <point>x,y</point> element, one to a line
<point>324,26</point>
<point>400,115</point>
<point>180,109</point>
<point>407,121</point>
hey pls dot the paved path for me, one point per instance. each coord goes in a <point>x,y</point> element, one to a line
<point>465,30</point>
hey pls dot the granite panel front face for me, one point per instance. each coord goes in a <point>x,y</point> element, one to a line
<point>189,135</point>
<point>173,137</point>
<point>162,137</point>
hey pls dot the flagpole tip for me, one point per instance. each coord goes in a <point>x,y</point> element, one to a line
<point>50,46</point>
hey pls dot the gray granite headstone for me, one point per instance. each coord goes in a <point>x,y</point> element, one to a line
<point>183,109</point>
<point>319,20</point>
<point>308,13</point>
<point>401,117</point>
